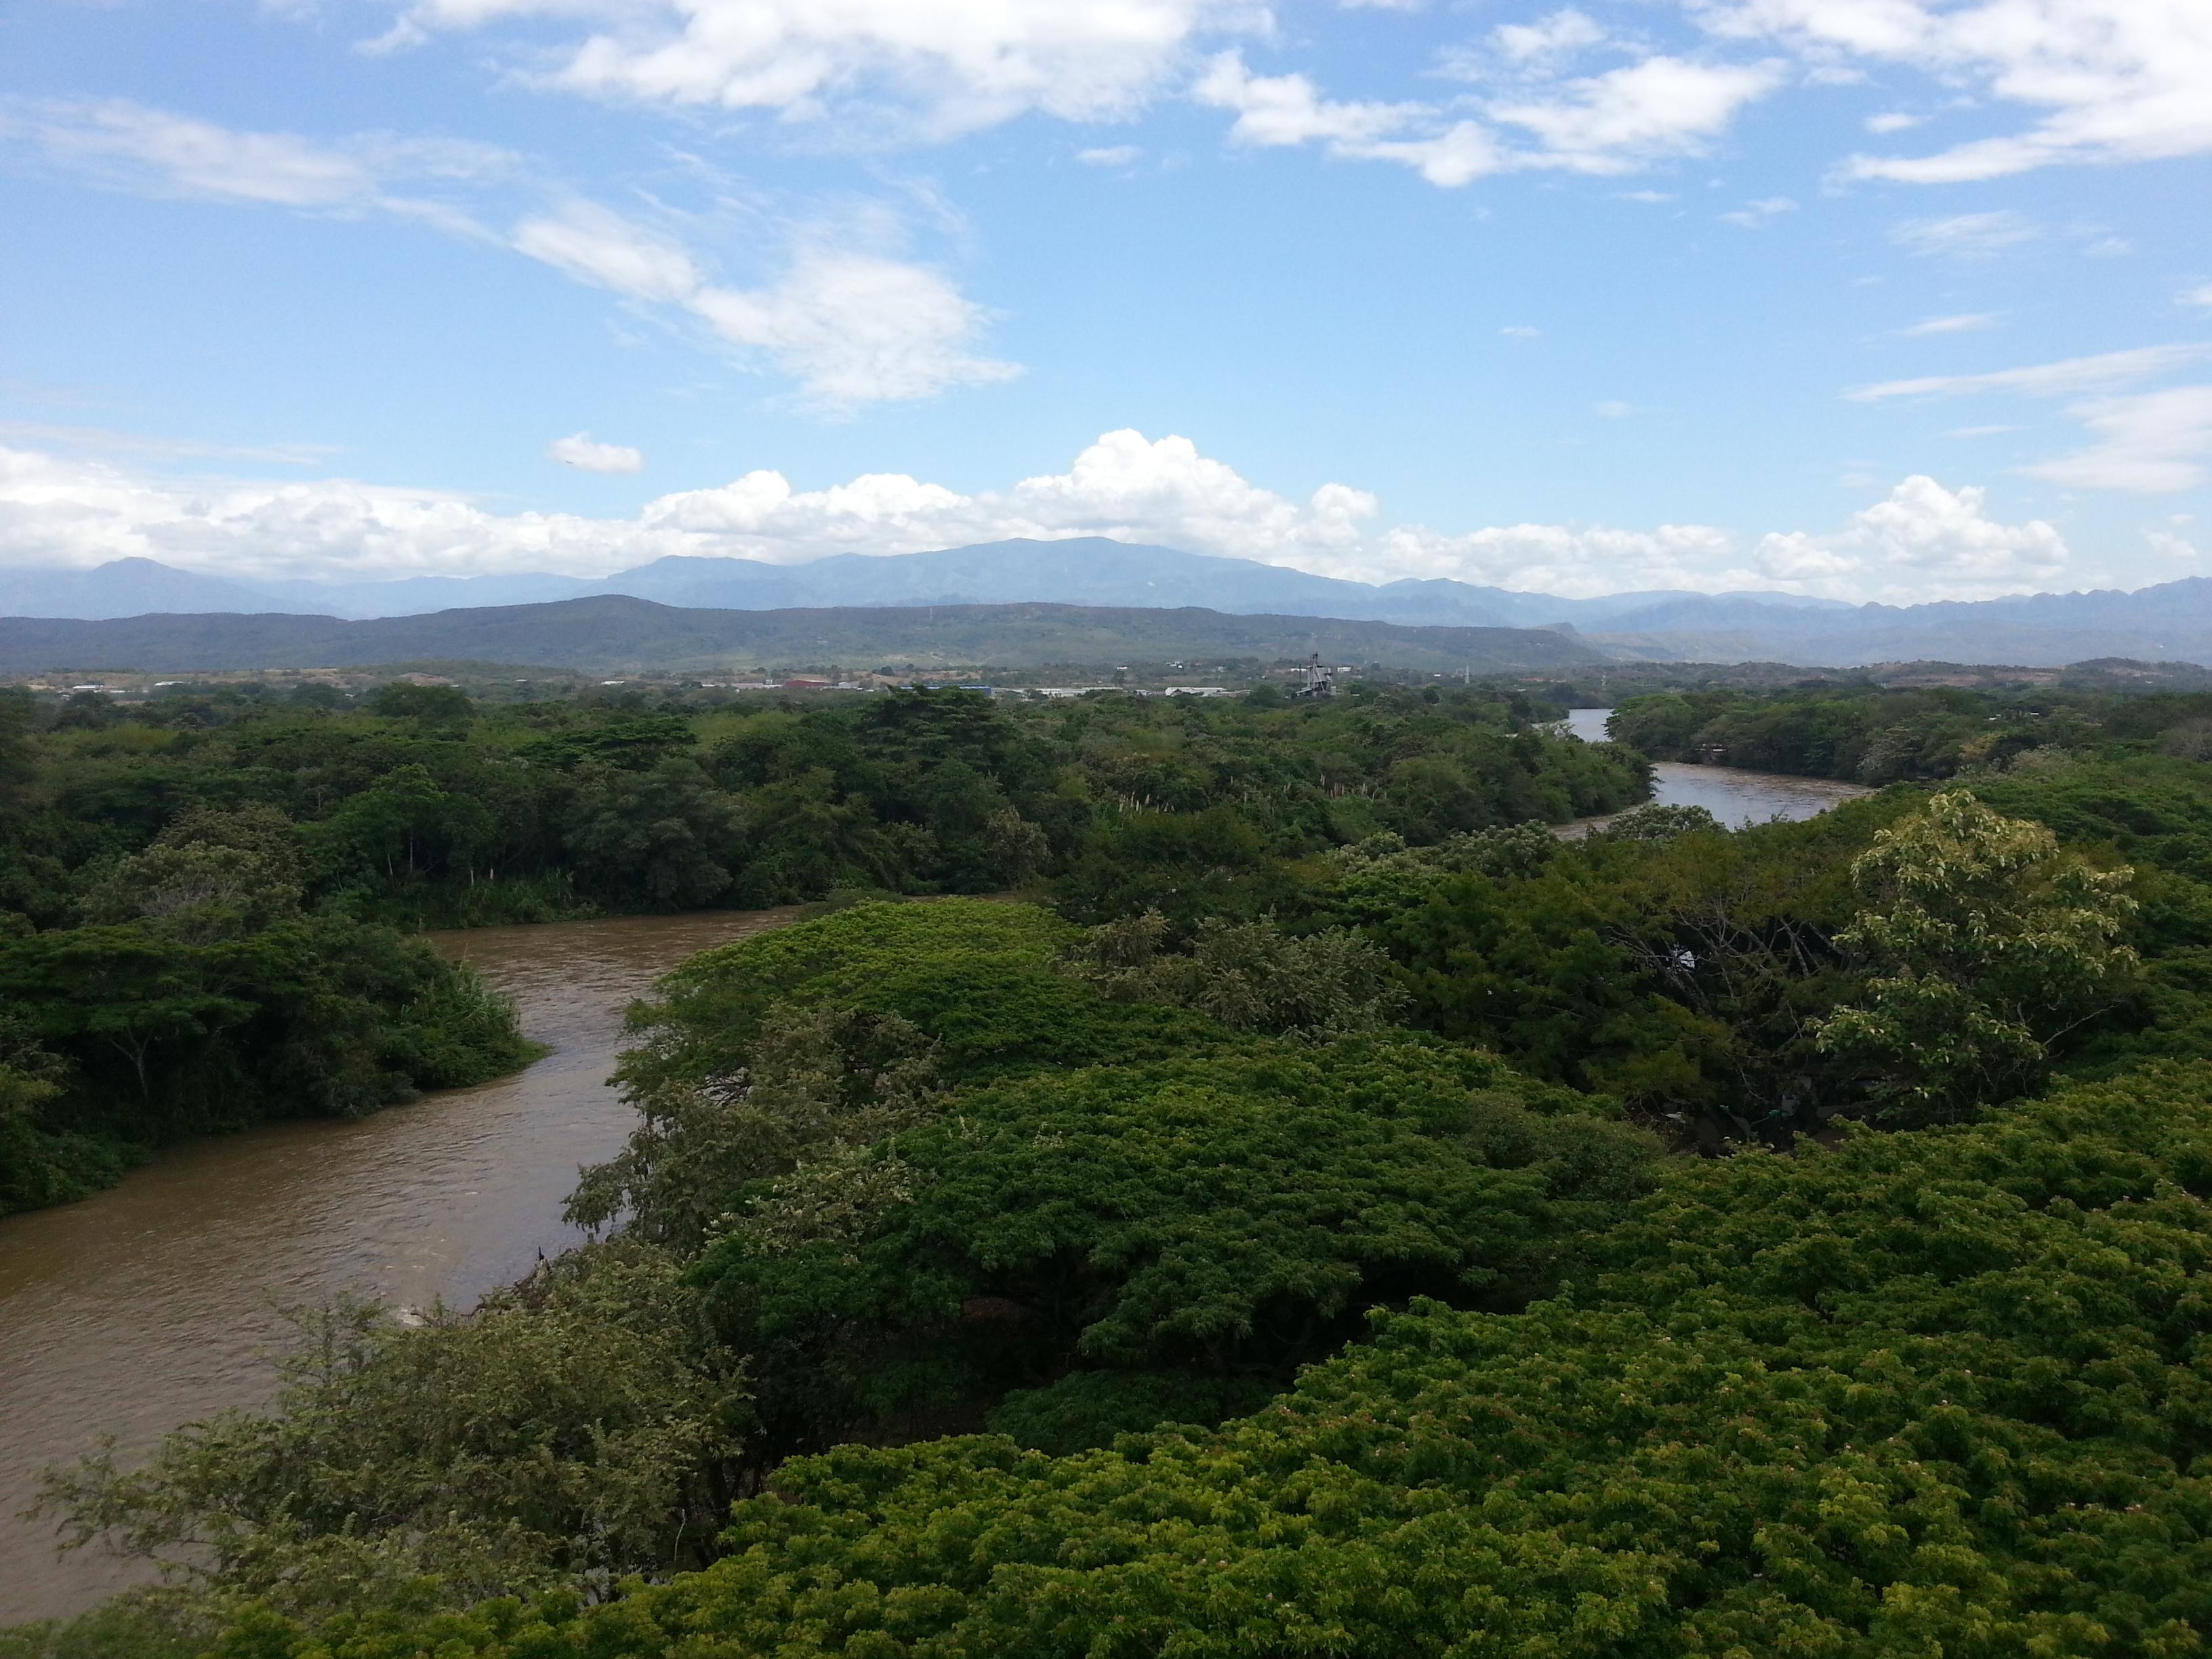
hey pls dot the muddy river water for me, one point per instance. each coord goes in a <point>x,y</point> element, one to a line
<point>159,1302</point>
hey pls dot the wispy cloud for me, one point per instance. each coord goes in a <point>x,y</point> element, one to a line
<point>115,440</point>
<point>850,321</point>
<point>2153,441</point>
<point>1621,121</point>
<point>1966,322</point>
<point>888,69</point>
<point>1964,235</point>
<point>2108,80</point>
<point>2068,377</point>
<point>586,454</point>
<point>1756,216</point>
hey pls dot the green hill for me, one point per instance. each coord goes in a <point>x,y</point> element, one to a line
<point>614,634</point>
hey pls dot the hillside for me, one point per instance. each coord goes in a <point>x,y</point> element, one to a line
<point>608,634</point>
<point>2170,622</point>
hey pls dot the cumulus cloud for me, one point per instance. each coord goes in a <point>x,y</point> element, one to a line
<point>849,324</point>
<point>1921,542</point>
<point>1924,541</point>
<point>2199,297</point>
<point>585,453</point>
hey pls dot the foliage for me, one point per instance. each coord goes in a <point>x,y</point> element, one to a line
<point>1298,1322</point>
<point>572,1430</point>
<point>1932,1392</point>
<point>1246,975</point>
<point>1088,1409</point>
<point>816,1081</point>
<point>1986,945</point>
<point>1230,1218</point>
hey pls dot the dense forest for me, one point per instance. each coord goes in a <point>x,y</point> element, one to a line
<point>1878,735</point>
<point>203,894</point>
<point>1325,1212</point>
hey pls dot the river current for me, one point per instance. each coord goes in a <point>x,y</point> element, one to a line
<point>160,1301</point>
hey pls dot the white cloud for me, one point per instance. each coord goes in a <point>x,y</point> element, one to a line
<point>1613,409</point>
<point>580,450</point>
<point>1520,332</point>
<point>1124,485</point>
<point>598,246</point>
<point>152,152</point>
<point>1617,122</point>
<point>1628,117</point>
<point>848,324</point>
<point>2067,378</point>
<point>1891,121</point>
<point>1964,322</point>
<point>2199,297</point>
<point>1923,542</point>
<point>934,69</point>
<point>1562,34</point>
<point>850,327</point>
<point>855,328</point>
<point>2111,81</point>
<point>1756,216</point>
<point>2150,442</point>
<point>1110,156</point>
<point>1274,110</point>
<point>1963,235</point>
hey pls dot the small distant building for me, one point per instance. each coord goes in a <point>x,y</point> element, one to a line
<point>1199,691</point>
<point>803,683</point>
<point>1314,680</point>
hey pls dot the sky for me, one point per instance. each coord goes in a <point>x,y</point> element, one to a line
<point>1878,300</point>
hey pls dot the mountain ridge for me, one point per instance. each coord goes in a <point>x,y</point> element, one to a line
<point>605,633</point>
<point>2169,622</point>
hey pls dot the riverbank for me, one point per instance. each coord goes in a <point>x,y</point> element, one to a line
<point>158,1302</point>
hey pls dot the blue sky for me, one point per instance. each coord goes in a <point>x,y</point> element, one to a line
<point>1882,299</point>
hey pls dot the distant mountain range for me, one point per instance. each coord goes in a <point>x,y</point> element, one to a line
<point>1088,570</point>
<point>614,634</point>
<point>2169,622</point>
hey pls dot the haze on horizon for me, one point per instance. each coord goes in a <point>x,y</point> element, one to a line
<point>1893,299</point>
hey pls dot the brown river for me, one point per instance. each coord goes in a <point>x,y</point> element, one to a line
<point>159,1302</point>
